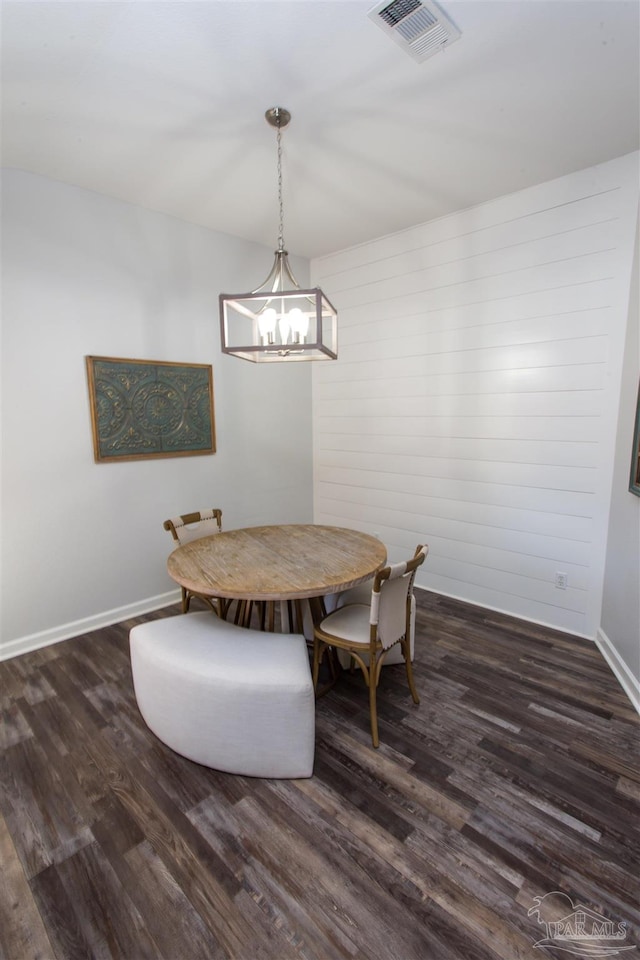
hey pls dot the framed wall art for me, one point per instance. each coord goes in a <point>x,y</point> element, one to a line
<point>142,409</point>
<point>634,475</point>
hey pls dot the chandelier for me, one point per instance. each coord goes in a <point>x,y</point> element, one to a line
<point>279,320</point>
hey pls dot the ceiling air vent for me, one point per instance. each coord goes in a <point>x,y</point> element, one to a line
<point>417,25</point>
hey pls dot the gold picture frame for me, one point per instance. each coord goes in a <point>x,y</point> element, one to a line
<point>146,409</point>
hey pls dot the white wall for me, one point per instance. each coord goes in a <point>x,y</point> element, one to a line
<point>619,634</point>
<point>82,543</point>
<point>474,402</point>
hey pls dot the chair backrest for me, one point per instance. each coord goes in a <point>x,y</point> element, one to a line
<point>193,526</point>
<point>391,598</point>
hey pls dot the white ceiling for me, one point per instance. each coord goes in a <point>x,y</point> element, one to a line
<point>162,104</point>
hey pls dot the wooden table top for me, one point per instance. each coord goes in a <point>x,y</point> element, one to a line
<point>286,562</point>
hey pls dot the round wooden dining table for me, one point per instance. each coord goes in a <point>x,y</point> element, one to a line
<point>295,564</point>
<point>283,562</point>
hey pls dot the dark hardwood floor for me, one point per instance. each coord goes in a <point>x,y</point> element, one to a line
<point>516,777</point>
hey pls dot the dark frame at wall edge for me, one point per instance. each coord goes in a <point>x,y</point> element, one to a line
<point>634,474</point>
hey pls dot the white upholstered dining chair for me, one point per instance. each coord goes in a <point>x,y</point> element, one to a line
<point>367,632</point>
<point>362,594</point>
<point>193,526</point>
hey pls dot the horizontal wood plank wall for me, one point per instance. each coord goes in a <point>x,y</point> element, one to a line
<point>474,402</point>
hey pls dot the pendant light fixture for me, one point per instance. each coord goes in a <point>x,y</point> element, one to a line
<point>279,320</point>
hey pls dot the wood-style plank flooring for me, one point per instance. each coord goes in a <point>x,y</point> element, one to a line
<point>516,777</point>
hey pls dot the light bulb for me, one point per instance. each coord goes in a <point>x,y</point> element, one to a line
<point>267,324</point>
<point>299,324</point>
<point>285,326</point>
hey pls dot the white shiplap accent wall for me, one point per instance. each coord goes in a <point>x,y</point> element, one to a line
<point>474,402</point>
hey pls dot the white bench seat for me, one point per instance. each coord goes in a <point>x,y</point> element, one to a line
<point>230,698</point>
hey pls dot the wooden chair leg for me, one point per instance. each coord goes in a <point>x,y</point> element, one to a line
<point>186,599</point>
<point>406,650</point>
<point>318,652</point>
<point>373,707</point>
<point>334,664</point>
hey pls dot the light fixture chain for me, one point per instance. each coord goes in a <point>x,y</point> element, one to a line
<point>281,205</point>
<point>279,320</point>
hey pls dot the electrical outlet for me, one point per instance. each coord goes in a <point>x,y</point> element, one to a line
<point>561,580</point>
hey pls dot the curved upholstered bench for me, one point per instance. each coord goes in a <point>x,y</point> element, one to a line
<point>233,699</point>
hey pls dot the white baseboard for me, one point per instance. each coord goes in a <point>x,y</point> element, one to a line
<point>622,673</point>
<point>78,627</point>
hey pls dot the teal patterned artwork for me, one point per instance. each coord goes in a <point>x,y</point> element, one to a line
<point>147,408</point>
